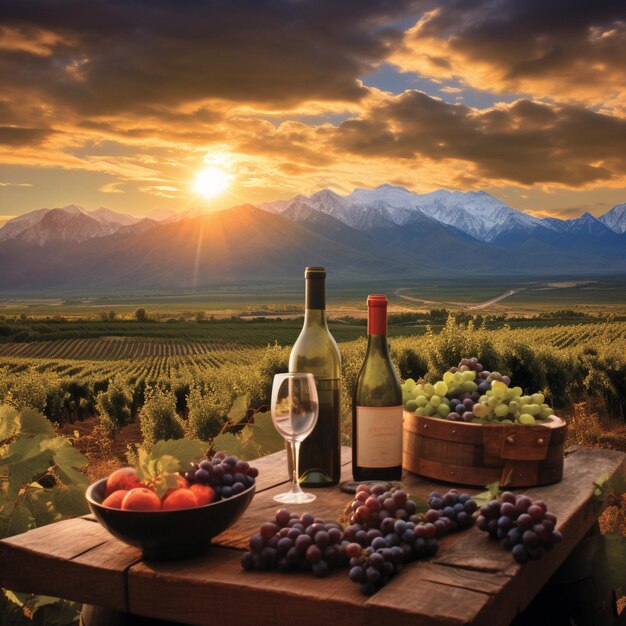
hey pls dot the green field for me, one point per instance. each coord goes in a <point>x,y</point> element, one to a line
<point>601,294</point>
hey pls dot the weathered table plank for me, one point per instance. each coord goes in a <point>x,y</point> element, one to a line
<point>75,559</point>
<point>472,580</point>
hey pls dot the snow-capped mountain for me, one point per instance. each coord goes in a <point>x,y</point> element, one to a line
<point>18,224</point>
<point>104,215</point>
<point>586,224</point>
<point>58,225</point>
<point>71,223</point>
<point>475,213</point>
<point>615,219</point>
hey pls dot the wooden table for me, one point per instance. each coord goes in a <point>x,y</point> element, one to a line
<point>472,580</point>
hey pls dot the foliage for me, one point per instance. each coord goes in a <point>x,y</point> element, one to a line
<point>141,315</point>
<point>567,362</point>
<point>256,438</point>
<point>158,417</point>
<point>114,405</point>
<point>40,483</point>
<point>160,465</point>
<point>207,407</point>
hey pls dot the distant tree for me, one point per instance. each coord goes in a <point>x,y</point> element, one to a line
<point>200,316</point>
<point>111,315</point>
<point>23,317</point>
<point>104,316</point>
<point>141,315</point>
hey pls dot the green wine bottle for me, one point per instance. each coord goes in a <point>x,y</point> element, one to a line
<point>316,351</point>
<point>377,405</point>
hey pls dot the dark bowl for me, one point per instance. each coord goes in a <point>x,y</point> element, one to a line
<point>169,535</point>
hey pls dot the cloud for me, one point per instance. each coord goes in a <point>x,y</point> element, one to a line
<point>565,49</point>
<point>32,40</point>
<point>163,191</point>
<point>115,56</point>
<point>524,142</point>
<point>143,93</point>
<point>5,184</point>
<point>19,136</point>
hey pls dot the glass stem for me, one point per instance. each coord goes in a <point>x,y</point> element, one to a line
<point>295,484</point>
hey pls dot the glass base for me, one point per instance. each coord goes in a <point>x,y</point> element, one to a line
<point>295,497</point>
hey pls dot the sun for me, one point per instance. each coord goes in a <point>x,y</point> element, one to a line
<point>211,181</point>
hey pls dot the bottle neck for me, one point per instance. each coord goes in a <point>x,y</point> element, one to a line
<point>315,317</point>
<point>377,344</point>
<point>315,294</point>
<point>377,320</point>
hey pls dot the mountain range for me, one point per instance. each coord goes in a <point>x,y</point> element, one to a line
<point>383,232</point>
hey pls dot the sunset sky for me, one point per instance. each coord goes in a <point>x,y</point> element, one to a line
<point>121,104</point>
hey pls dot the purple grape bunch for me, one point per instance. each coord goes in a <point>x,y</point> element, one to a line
<point>522,525</point>
<point>297,543</point>
<point>385,532</point>
<point>457,507</point>
<point>227,475</point>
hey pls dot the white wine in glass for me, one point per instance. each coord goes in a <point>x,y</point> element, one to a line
<point>295,409</point>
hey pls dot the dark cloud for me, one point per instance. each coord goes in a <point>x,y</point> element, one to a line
<point>17,136</point>
<point>116,56</point>
<point>557,47</point>
<point>525,142</point>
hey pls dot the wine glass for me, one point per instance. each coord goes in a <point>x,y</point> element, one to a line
<point>294,412</point>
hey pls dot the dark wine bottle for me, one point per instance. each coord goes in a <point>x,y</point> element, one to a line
<point>316,351</point>
<point>377,405</point>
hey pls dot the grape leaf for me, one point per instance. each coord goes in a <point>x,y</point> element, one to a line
<point>610,488</point>
<point>69,501</point>
<point>67,460</point>
<point>61,613</point>
<point>164,483</point>
<point>143,468</point>
<point>9,421</point>
<point>230,444</point>
<point>186,451</point>
<point>16,518</point>
<point>22,449</point>
<point>40,502</point>
<point>239,409</point>
<point>34,602</point>
<point>265,435</point>
<point>26,471</point>
<point>16,597</point>
<point>492,493</point>
<point>34,423</point>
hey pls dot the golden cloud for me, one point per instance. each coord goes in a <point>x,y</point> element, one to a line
<point>562,50</point>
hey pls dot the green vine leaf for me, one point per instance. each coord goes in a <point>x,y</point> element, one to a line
<point>611,489</point>
<point>265,437</point>
<point>239,409</point>
<point>34,423</point>
<point>186,451</point>
<point>68,460</point>
<point>492,493</point>
<point>9,422</point>
<point>230,444</point>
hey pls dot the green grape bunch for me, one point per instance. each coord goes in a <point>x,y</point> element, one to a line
<point>469,393</point>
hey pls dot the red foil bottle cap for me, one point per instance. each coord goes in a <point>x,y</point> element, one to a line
<point>376,314</point>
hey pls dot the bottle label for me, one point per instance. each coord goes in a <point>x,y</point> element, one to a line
<point>379,436</point>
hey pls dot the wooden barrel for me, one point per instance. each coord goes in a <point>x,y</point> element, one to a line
<point>476,454</point>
